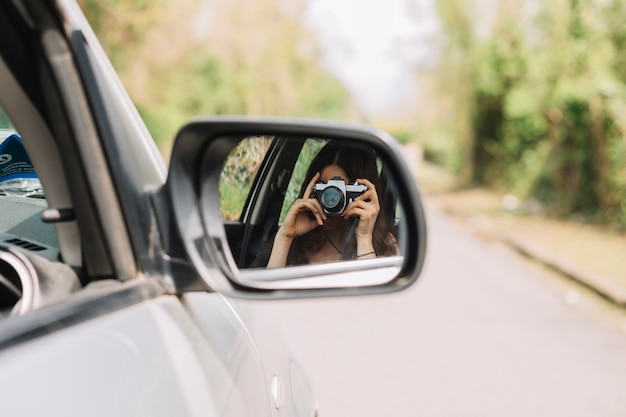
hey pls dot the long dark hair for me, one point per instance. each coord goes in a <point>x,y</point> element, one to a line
<point>357,162</point>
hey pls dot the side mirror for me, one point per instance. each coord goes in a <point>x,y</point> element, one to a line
<point>232,182</point>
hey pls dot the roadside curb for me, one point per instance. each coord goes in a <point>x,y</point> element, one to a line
<point>439,182</point>
<point>602,286</point>
<point>599,284</point>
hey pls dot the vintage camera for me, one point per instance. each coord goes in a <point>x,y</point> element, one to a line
<point>335,195</point>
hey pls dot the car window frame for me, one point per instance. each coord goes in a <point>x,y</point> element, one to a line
<point>260,209</point>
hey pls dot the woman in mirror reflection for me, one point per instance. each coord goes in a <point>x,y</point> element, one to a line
<point>310,235</point>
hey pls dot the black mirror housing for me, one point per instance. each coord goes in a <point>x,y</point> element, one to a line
<point>195,234</point>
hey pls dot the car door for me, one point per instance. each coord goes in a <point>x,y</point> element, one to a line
<point>147,358</point>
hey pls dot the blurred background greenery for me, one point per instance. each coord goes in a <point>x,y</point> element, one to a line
<point>524,97</point>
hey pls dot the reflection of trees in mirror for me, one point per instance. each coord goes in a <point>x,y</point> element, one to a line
<point>238,174</point>
<point>310,149</point>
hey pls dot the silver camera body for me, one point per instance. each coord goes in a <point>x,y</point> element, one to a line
<point>335,195</point>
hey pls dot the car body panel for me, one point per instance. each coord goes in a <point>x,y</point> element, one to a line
<point>149,359</point>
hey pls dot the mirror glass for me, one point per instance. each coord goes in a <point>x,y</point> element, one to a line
<point>288,201</point>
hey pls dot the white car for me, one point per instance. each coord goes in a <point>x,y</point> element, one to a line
<point>123,282</point>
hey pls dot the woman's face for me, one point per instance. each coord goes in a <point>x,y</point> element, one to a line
<point>333,222</point>
<point>333,171</point>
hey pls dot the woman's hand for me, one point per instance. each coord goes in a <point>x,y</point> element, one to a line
<point>304,215</point>
<point>366,207</point>
<point>298,220</point>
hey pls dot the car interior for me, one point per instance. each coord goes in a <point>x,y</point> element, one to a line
<point>29,246</point>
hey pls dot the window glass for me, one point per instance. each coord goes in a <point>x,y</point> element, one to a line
<point>310,149</point>
<point>5,124</point>
<point>21,195</point>
<point>238,175</point>
<point>17,174</point>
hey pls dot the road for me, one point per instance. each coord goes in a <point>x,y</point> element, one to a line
<point>482,333</point>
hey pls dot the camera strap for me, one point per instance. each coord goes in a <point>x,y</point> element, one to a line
<point>349,238</point>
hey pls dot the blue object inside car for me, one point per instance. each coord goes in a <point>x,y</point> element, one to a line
<point>14,161</point>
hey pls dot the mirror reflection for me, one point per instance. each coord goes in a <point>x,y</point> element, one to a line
<point>289,201</point>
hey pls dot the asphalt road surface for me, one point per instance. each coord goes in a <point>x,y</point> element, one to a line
<point>482,333</point>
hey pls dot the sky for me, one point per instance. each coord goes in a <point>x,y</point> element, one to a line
<point>373,46</point>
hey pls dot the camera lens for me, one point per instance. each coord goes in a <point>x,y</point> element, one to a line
<point>331,200</point>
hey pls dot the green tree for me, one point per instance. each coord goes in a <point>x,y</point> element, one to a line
<point>122,25</point>
<point>452,88</point>
<point>186,58</point>
<point>544,101</point>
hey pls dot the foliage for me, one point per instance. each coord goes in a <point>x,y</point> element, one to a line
<point>122,25</point>
<point>239,172</point>
<point>542,112</point>
<point>182,59</point>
